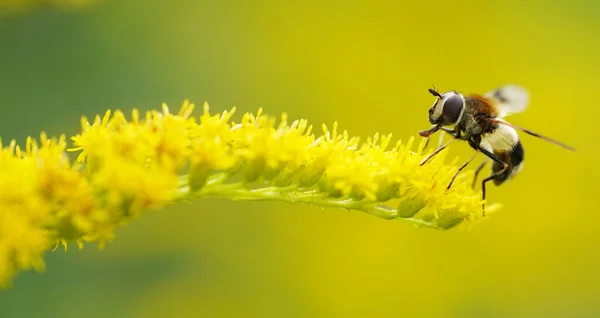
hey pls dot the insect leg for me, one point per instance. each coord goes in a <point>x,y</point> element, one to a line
<point>493,157</point>
<point>477,173</point>
<point>461,168</point>
<point>450,131</point>
<point>441,139</point>
<point>424,161</point>
<point>497,173</point>
<point>490,178</point>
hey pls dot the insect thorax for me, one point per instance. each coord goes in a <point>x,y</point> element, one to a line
<point>475,120</point>
<point>472,125</point>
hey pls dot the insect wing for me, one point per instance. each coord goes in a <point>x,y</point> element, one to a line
<point>510,99</point>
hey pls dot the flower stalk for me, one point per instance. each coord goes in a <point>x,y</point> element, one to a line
<point>127,166</point>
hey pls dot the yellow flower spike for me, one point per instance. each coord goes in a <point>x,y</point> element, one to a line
<point>127,167</point>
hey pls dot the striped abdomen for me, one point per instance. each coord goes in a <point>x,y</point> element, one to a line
<point>514,159</point>
<point>505,144</point>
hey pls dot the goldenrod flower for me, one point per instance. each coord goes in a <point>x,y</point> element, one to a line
<point>126,166</point>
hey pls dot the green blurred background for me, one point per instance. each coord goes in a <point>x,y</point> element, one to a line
<point>367,65</point>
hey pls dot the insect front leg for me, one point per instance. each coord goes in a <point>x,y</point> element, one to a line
<point>441,138</point>
<point>440,148</point>
<point>451,132</point>
<point>440,141</point>
<point>426,143</point>
<point>424,161</point>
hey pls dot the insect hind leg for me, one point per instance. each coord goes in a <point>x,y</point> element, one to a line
<point>505,167</point>
<point>490,178</point>
<point>477,171</point>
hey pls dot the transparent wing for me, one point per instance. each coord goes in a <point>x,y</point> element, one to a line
<point>510,99</point>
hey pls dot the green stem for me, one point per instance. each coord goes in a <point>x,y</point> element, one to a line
<point>216,188</point>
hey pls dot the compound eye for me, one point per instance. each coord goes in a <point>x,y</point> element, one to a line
<point>452,109</point>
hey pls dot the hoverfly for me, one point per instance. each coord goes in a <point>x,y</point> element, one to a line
<point>479,120</point>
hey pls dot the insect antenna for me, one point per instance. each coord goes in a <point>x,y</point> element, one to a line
<point>435,93</point>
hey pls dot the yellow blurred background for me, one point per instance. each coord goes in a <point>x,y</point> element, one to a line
<point>365,64</point>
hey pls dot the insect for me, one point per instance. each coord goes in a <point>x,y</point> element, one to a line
<point>479,120</point>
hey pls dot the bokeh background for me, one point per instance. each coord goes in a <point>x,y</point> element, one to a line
<point>365,64</point>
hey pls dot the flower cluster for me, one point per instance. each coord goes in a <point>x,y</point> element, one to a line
<point>126,166</point>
